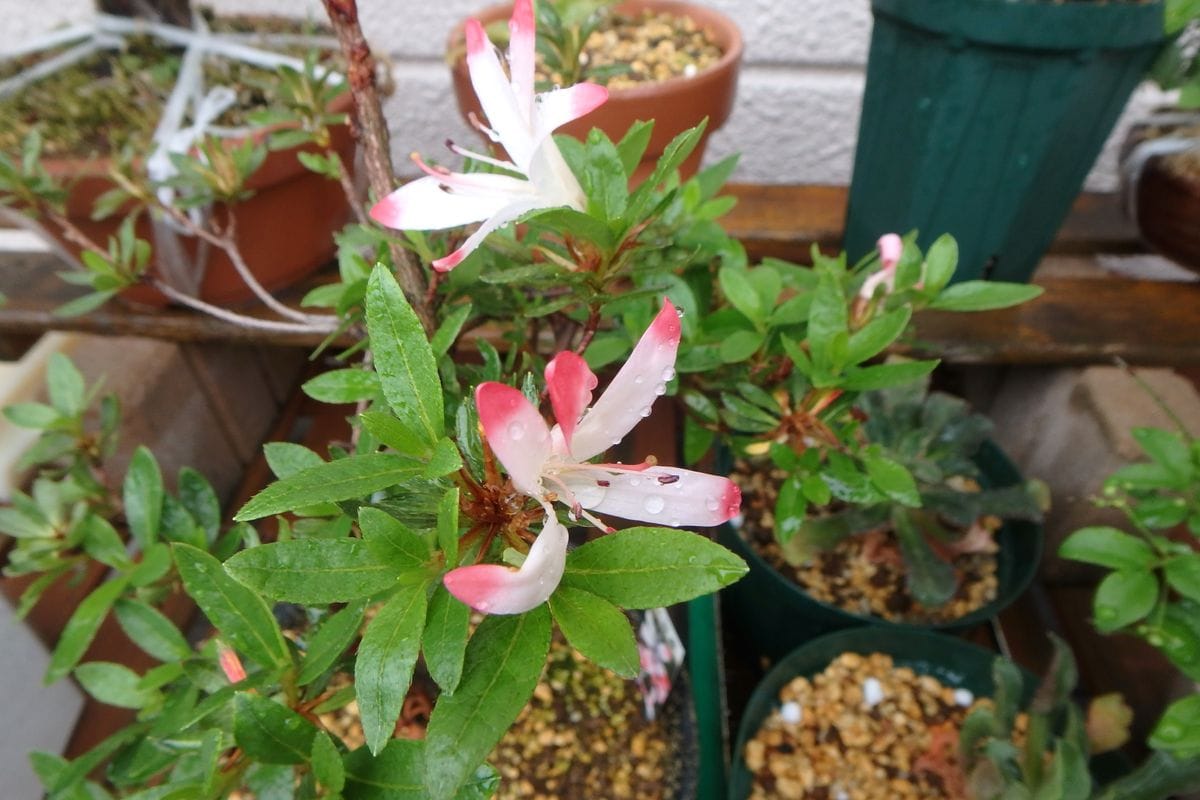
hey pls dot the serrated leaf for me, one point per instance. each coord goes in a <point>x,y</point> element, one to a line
<point>270,732</point>
<point>344,479</point>
<point>239,613</point>
<point>386,657</point>
<point>403,358</point>
<point>651,567</point>
<point>447,625</point>
<point>312,571</point>
<point>596,628</point>
<point>503,662</point>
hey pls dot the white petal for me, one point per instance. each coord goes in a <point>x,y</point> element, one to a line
<point>634,389</point>
<point>516,433</point>
<point>497,98</point>
<point>495,589</point>
<point>497,220</point>
<point>425,205</point>
<point>560,106</point>
<point>521,54</point>
<point>658,495</point>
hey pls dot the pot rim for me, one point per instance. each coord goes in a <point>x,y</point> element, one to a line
<point>730,57</point>
<point>1022,574</point>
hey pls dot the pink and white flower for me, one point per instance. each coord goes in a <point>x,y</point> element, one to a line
<point>552,465</point>
<point>890,247</point>
<point>522,123</point>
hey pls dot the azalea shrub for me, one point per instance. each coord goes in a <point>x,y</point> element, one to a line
<point>477,507</point>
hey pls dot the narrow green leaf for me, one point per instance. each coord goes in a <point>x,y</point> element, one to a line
<point>327,764</point>
<point>384,667</point>
<point>65,385</point>
<point>287,458</point>
<point>312,572</point>
<point>651,567</point>
<point>984,296</point>
<point>596,628</point>
<point>343,386</point>
<point>344,479</point>
<point>150,630</point>
<point>447,625</point>
<point>444,460</point>
<point>398,773</point>
<point>738,290</point>
<point>36,416</point>
<point>270,732</point>
<point>447,526</point>
<point>112,684</point>
<point>200,500</point>
<point>893,479</point>
<point>400,435</point>
<point>330,641</point>
<point>1107,547</point>
<point>143,495</point>
<point>392,542</point>
<point>403,357</point>
<point>633,145</point>
<point>871,340</point>
<point>81,628</point>
<point>1123,598</point>
<point>503,662</point>
<point>239,613</point>
<point>443,339</point>
<point>102,542</point>
<point>882,376</point>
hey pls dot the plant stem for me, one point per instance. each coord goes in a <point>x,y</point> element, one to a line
<point>351,193</point>
<point>235,318</point>
<point>371,130</point>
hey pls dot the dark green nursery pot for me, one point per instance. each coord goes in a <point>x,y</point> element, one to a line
<point>774,616</point>
<point>982,118</point>
<point>954,662</point>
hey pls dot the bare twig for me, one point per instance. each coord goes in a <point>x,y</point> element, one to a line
<point>349,189</point>
<point>371,130</point>
<point>238,319</point>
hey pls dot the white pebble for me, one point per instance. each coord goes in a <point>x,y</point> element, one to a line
<point>840,794</point>
<point>791,713</point>
<point>963,697</point>
<point>689,70</point>
<point>872,691</point>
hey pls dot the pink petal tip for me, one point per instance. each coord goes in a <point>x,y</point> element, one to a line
<point>476,37</point>
<point>891,247</point>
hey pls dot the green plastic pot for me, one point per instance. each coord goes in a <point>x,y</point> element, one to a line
<point>954,662</point>
<point>774,615</point>
<point>982,118</point>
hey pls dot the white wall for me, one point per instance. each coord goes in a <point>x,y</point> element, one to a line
<point>796,117</point>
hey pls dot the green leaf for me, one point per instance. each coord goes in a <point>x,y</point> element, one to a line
<point>1123,598</point>
<point>398,773</point>
<point>1178,730</point>
<point>200,500</point>
<point>392,542</point>
<point>403,357</point>
<point>400,435</point>
<point>651,567</point>
<point>1183,573</point>
<point>827,322</point>
<point>876,335</point>
<point>447,625</point>
<point>113,684</point>
<point>143,495</point>
<point>984,296</point>
<point>36,416</point>
<point>882,376</point>
<point>503,662</point>
<point>344,479</point>
<point>443,339</point>
<point>941,260</point>
<point>239,614</point>
<point>65,385</point>
<point>155,563</point>
<point>269,732</point>
<point>930,579</point>
<point>329,641</point>
<point>23,526</point>
<point>150,630</point>
<point>1166,448</point>
<point>893,479</point>
<point>343,386</point>
<point>81,628</point>
<point>741,294</point>
<point>384,667</point>
<point>633,145</point>
<point>102,542</point>
<point>287,458</point>
<point>596,628</point>
<point>313,572</point>
<point>327,764</point>
<point>740,345</point>
<point>447,526</point>
<point>1107,547</point>
<point>444,460</point>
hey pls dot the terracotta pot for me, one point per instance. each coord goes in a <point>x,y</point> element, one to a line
<point>285,230</point>
<point>1168,212</point>
<point>675,105</point>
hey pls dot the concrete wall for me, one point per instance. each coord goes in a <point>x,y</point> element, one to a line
<point>796,118</point>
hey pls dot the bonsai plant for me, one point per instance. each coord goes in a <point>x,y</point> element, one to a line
<point>689,76</point>
<point>983,118</point>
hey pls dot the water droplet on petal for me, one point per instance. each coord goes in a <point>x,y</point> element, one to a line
<point>668,373</point>
<point>516,431</point>
<point>654,504</point>
<point>646,411</point>
<point>638,379</point>
<point>660,389</point>
<point>634,480</point>
<point>711,504</point>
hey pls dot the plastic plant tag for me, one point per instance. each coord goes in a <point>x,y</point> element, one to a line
<point>661,653</point>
